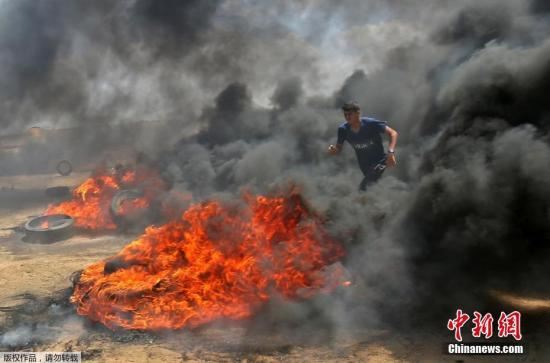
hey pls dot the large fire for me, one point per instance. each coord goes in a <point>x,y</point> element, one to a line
<point>90,206</point>
<point>214,261</point>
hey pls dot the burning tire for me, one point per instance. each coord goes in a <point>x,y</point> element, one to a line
<point>49,228</point>
<point>64,168</point>
<point>127,210</point>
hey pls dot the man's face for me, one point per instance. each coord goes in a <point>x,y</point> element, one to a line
<point>351,116</point>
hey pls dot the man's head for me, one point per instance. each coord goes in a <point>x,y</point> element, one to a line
<point>352,111</point>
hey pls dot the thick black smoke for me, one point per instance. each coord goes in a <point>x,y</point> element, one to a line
<point>540,6</point>
<point>288,93</point>
<point>253,93</point>
<point>175,24</point>
<point>476,24</point>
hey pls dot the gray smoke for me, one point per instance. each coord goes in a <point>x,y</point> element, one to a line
<point>253,90</point>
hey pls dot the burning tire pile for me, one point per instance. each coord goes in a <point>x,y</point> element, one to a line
<point>214,260</point>
<point>113,199</point>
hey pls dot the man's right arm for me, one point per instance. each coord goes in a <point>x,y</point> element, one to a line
<point>335,149</point>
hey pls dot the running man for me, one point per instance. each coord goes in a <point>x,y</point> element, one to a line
<point>364,135</point>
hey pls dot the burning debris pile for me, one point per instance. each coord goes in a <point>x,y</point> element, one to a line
<point>217,260</point>
<point>108,198</point>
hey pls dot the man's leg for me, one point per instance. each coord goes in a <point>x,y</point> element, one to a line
<point>371,175</point>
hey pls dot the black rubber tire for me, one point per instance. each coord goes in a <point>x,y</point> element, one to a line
<point>125,222</point>
<point>64,168</point>
<point>62,228</point>
<point>58,192</point>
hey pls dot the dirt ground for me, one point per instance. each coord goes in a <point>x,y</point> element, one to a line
<point>35,280</point>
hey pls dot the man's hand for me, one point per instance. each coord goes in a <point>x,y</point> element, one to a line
<point>390,160</point>
<point>333,149</point>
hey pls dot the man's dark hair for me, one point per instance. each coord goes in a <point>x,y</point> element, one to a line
<point>351,106</point>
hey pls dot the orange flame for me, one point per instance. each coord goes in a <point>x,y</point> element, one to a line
<point>90,204</point>
<point>215,261</point>
<point>91,200</point>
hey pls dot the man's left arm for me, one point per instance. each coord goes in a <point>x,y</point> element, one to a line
<point>390,161</point>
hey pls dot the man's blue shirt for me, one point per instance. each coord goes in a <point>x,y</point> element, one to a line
<point>367,142</point>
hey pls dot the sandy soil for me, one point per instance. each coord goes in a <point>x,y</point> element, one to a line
<point>35,280</point>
